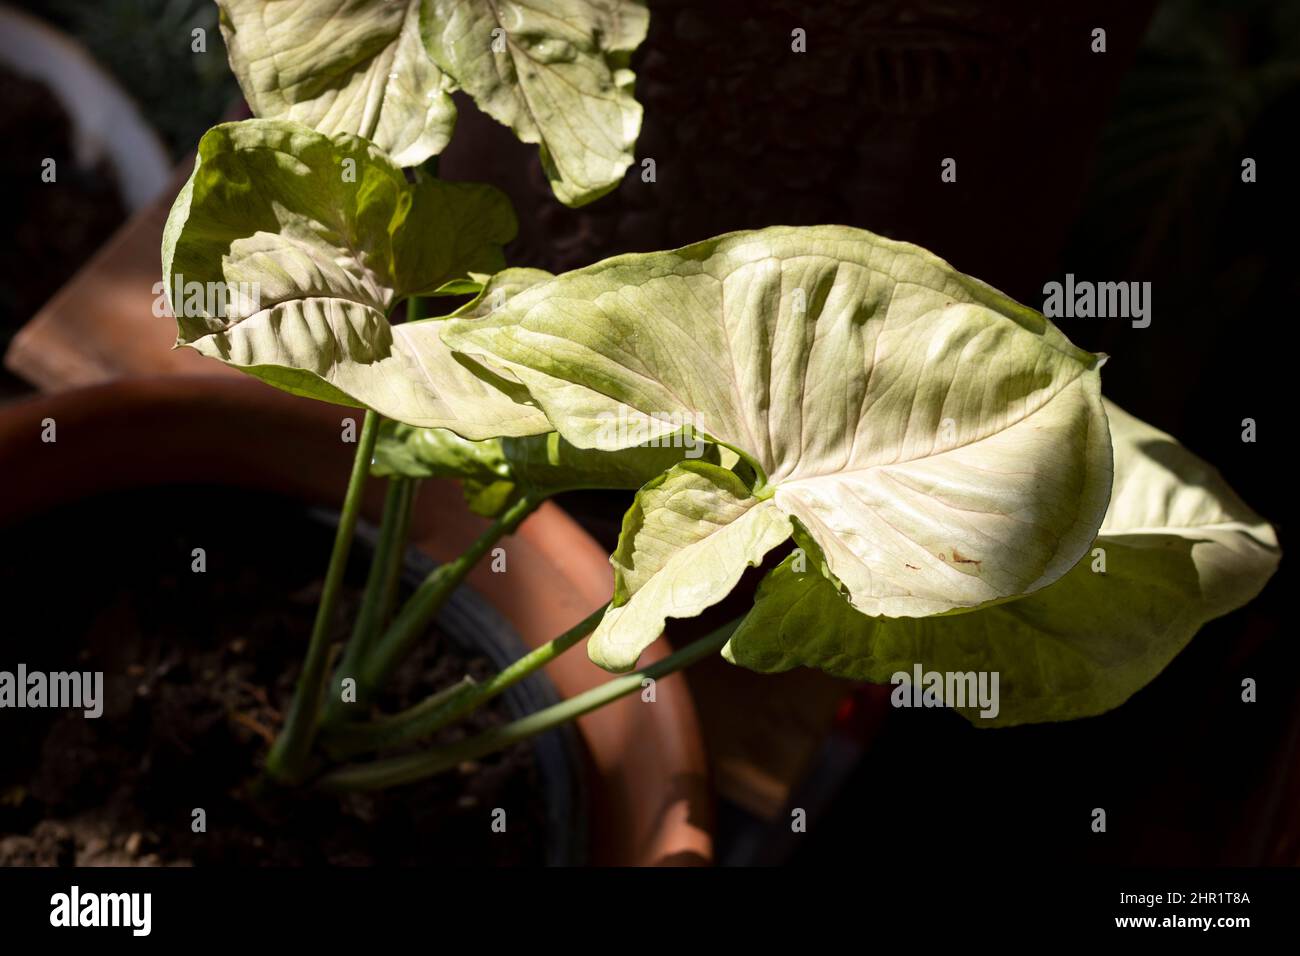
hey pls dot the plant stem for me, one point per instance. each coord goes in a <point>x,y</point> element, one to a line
<point>414,617</point>
<point>381,589</point>
<point>289,752</point>
<point>445,707</point>
<point>411,767</point>
<point>392,584</point>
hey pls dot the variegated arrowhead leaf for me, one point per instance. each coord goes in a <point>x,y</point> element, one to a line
<point>342,66</point>
<point>316,239</point>
<point>944,446</point>
<point>1177,548</point>
<point>555,73</point>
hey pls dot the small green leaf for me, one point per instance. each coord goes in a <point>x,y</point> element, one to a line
<point>321,237</point>
<point>557,75</point>
<point>685,543</point>
<point>497,472</point>
<point>454,287</point>
<point>342,66</point>
<point>944,446</point>
<point>492,293</point>
<point>480,466</point>
<point>1178,547</point>
<point>548,464</point>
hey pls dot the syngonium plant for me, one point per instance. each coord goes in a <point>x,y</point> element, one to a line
<point>932,463</point>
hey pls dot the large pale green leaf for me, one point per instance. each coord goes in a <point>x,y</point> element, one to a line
<point>342,66</point>
<point>492,293</point>
<point>556,73</point>
<point>497,471</point>
<point>1179,548</point>
<point>945,446</point>
<point>685,543</point>
<point>328,236</point>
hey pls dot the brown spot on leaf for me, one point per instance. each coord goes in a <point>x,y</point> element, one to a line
<point>962,559</point>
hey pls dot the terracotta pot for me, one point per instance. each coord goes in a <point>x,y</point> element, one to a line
<point>649,796</point>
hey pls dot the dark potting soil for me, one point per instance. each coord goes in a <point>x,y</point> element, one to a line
<point>198,669</point>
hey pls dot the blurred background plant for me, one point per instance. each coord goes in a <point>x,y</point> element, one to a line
<point>146,45</point>
<point>1215,82</point>
<point>1212,78</point>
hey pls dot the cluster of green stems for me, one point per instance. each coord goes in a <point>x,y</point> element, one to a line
<point>321,731</point>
